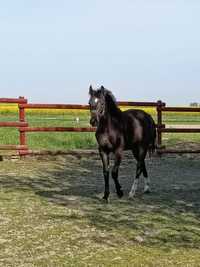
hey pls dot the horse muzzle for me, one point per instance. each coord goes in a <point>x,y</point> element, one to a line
<point>93,121</point>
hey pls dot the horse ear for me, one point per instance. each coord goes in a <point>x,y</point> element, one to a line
<point>91,90</point>
<point>102,89</point>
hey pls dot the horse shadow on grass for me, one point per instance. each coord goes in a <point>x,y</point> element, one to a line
<point>169,216</point>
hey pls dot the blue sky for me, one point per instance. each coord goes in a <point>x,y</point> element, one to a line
<point>142,50</point>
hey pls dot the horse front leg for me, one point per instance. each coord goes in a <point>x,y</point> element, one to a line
<point>115,171</point>
<point>105,160</point>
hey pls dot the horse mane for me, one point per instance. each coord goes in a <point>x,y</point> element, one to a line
<point>110,96</point>
<point>112,103</point>
<point>110,100</point>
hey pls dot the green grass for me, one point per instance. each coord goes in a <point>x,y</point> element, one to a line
<point>171,139</point>
<point>52,215</point>
<point>54,141</point>
<point>181,118</point>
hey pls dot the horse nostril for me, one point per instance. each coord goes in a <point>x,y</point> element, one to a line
<point>93,122</point>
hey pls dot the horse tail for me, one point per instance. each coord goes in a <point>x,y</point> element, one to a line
<point>153,144</point>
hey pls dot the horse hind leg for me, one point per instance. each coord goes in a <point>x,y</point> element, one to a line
<point>146,180</point>
<point>139,170</point>
<point>140,154</point>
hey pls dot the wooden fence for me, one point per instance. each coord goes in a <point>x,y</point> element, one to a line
<point>22,147</point>
<point>23,126</point>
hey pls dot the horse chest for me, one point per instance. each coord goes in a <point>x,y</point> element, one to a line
<point>106,141</point>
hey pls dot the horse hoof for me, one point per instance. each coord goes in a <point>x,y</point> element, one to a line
<point>131,196</point>
<point>120,194</point>
<point>105,199</point>
<point>148,191</point>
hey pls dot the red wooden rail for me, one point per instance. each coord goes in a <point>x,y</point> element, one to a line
<point>139,104</point>
<point>57,129</point>
<point>180,109</point>
<point>180,130</point>
<point>23,126</point>
<point>86,107</point>
<point>20,100</point>
<point>53,106</point>
<point>13,147</point>
<point>13,124</point>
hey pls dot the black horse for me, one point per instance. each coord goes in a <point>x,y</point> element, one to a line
<point>118,131</point>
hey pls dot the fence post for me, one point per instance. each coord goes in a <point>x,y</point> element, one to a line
<point>160,104</point>
<point>22,134</point>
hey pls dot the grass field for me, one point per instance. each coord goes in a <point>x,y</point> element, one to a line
<point>51,140</point>
<point>52,214</point>
<point>61,141</point>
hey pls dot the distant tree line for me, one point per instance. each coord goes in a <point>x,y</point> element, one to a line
<point>195,104</point>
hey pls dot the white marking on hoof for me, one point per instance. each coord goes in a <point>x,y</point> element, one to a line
<point>133,188</point>
<point>131,195</point>
<point>147,185</point>
<point>147,189</point>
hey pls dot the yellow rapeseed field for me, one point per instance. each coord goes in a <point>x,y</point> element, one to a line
<point>13,109</point>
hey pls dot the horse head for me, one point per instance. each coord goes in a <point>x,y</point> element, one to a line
<point>97,104</point>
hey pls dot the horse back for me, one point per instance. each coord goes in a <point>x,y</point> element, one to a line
<point>139,127</point>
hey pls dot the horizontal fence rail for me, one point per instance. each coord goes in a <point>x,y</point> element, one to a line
<point>20,100</point>
<point>139,104</point>
<point>181,130</point>
<point>57,129</point>
<point>177,151</point>
<point>180,109</point>
<point>85,107</point>
<point>13,147</point>
<point>13,124</point>
<point>24,127</point>
<point>53,106</point>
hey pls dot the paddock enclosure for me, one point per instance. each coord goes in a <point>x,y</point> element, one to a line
<point>24,128</point>
<point>51,213</point>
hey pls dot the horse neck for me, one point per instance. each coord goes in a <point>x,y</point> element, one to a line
<point>111,117</point>
<point>112,114</point>
<point>111,109</point>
